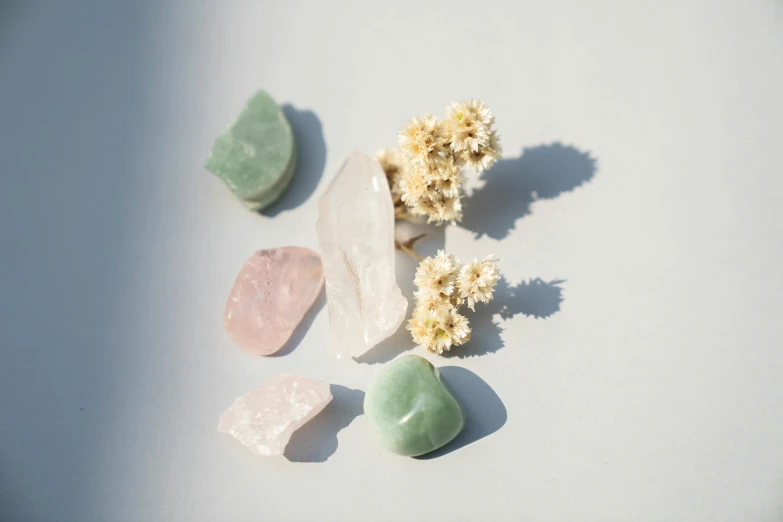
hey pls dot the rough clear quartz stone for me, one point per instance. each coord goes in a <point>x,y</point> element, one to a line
<point>264,419</point>
<point>356,231</point>
<point>272,293</point>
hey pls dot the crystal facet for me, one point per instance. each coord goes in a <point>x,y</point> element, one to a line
<point>271,295</point>
<point>256,157</point>
<point>356,231</point>
<point>410,409</point>
<point>264,419</point>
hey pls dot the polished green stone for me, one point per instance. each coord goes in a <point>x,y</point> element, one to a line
<point>410,409</point>
<point>256,156</point>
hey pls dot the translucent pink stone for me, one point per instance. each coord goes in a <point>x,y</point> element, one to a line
<point>271,295</point>
<point>264,419</point>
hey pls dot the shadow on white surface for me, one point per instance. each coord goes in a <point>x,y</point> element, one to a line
<point>485,412</point>
<point>534,298</point>
<point>310,160</point>
<point>316,441</point>
<point>513,184</point>
<point>75,118</point>
<point>9,11</point>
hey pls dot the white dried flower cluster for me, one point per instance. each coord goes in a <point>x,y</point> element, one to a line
<point>442,286</point>
<point>394,165</point>
<point>435,151</point>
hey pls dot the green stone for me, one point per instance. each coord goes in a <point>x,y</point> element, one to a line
<point>256,156</point>
<point>410,409</point>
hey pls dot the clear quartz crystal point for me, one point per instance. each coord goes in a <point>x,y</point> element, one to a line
<point>356,232</point>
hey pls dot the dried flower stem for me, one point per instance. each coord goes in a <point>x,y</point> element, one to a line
<point>407,246</point>
<point>401,213</point>
<point>411,252</point>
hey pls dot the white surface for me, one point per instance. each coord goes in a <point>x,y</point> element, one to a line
<point>653,393</point>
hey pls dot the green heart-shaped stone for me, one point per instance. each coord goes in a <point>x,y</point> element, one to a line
<point>410,409</point>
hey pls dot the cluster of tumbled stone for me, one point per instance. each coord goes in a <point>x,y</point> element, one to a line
<point>408,407</point>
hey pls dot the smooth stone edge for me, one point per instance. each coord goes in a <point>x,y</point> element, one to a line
<point>306,311</point>
<point>444,383</point>
<point>304,315</point>
<point>262,200</point>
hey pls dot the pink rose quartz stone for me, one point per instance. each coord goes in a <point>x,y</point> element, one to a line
<point>264,419</point>
<point>271,295</point>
